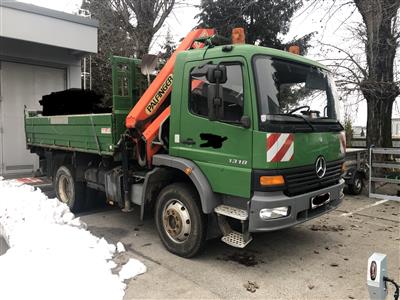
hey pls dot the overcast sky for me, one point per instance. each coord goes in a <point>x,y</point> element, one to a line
<point>182,20</point>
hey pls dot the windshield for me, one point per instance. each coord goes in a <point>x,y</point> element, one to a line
<point>294,93</point>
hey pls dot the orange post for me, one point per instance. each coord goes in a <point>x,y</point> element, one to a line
<point>238,36</point>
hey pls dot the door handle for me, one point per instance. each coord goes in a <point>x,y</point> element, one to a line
<point>188,141</point>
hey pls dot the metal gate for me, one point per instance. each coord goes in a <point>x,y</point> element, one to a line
<point>387,177</point>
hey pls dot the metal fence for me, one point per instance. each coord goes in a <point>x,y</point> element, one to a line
<point>386,177</point>
<point>357,142</point>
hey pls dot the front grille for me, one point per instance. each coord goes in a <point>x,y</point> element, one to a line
<point>304,179</point>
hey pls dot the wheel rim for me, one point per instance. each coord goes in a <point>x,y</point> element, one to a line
<point>65,188</point>
<point>176,221</point>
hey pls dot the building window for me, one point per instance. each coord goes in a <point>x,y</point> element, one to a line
<point>232,94</point>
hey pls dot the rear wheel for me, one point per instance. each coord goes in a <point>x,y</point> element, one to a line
<point>180,221</point>
<point>68,190</point>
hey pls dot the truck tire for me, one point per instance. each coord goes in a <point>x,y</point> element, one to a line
<point>68,190</point>
<point>180,222</point>
<point>356,187</point>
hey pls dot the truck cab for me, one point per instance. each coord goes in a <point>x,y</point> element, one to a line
<point>271,143</point>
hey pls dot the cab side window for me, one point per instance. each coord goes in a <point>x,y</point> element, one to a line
<point>232,94</point>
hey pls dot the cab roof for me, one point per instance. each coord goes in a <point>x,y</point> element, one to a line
<point>247,51</point>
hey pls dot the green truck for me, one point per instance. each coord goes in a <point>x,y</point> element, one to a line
<point>250,142</point>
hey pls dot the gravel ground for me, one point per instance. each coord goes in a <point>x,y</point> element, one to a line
<point>324,258</point>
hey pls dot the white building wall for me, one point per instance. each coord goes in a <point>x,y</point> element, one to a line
<point>37,54</point>
<point>74,76</point>
<point>40,52</point>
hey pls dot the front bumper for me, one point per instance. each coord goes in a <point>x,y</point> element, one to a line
<point>300,207</point>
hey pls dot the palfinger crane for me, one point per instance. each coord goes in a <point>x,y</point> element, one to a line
<point>148,114</point>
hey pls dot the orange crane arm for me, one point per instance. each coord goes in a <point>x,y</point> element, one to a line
<point>161,87</point>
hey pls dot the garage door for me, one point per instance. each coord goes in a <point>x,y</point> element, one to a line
<point>22,85</point>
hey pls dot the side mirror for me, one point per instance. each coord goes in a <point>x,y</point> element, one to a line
<point>213,73</point>
<point>245,121</point>
<point>215,102</point>
<point>216,74</point>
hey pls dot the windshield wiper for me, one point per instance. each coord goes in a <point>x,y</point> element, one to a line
<point>298,117</point>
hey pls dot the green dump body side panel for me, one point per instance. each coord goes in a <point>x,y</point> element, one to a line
<point>84,133</point>
<point>91,133</point>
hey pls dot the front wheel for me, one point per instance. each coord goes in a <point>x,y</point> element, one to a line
<point>180,221</point>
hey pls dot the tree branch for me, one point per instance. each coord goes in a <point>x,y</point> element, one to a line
<point>168,5</point>
<point>350,57</point>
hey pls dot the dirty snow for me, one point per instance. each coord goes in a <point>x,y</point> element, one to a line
<point>131,269</point>
<point>52,255</point>
<point>120,247</point>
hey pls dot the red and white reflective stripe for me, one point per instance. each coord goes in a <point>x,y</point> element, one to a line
<point>342,142</point>
<point>29,180</point>
<point>280,147</point>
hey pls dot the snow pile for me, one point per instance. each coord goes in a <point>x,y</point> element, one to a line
<point>120,247</point>
<point>52,255</point>
<point>131,269</point>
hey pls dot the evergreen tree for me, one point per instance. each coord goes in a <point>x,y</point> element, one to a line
<point>262,20</point>
<point>167,49</point>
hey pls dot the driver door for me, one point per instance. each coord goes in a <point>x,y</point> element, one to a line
<point>223,148</point>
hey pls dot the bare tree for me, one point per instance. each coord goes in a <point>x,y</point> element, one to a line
<point>127,28</point>
<point>112,40</point>
<point>378,86</point>
<point>142,19</point>
<point>370,71</point>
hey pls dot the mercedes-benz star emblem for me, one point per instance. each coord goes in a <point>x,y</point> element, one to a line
<point>320,166</point>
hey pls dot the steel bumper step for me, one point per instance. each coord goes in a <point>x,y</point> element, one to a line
<point>232,212</point>
<point>236,239</point>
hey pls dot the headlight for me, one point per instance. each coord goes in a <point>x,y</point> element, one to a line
<point>274,213</point>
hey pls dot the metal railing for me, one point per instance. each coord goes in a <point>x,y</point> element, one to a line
<point>393,178</point>
<point>360,142</point>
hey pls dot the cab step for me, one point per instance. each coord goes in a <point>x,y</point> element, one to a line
<point>236,239</point>
<point>231,212</point>
<point>230,236</point>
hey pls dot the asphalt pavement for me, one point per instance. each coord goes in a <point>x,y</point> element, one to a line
<point>325,258</point>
